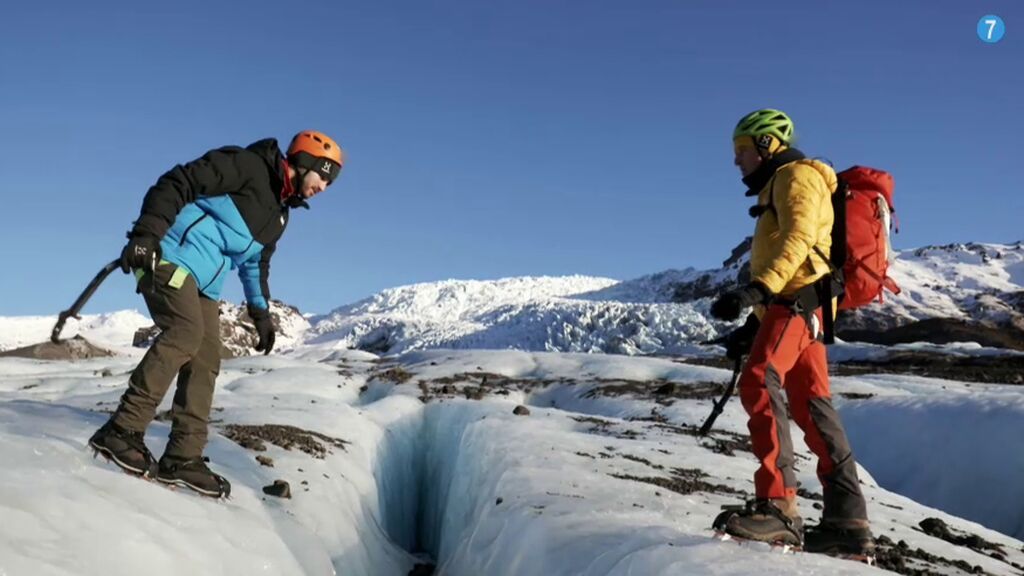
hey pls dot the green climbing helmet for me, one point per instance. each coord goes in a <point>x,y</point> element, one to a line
<point>766,121</point>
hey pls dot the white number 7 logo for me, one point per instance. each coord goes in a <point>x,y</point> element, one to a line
<point>991,27</point>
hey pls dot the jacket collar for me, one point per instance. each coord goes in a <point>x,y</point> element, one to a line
<point>759,178</point>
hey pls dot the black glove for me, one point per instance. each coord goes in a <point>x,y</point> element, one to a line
<point>729,305</point>
<point>264,329</point>
<point>739,341</point>
<point>141,251</point>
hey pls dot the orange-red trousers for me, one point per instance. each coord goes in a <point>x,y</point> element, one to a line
<point>786,357</point>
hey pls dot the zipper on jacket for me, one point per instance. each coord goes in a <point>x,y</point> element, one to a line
<point>184,235</point>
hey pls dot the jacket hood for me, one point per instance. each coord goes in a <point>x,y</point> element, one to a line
<point>268,150</point>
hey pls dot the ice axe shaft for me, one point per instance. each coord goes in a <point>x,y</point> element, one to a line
<point>720,405</point>
<point>82,299</point>
<point>715,341</point>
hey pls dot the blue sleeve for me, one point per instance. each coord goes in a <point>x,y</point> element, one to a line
<point>255,276</point>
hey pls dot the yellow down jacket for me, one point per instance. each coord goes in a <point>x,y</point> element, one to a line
<point>782,256</point>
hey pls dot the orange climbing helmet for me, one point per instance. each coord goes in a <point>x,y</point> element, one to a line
<point>316,151</point>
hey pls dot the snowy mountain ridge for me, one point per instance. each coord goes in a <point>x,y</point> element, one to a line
<point>663,313</point>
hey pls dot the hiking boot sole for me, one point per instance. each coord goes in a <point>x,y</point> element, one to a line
<point>205,492</point>
<point>776,539</point>
<point>110,457</point>
<point>784,548</point>
<point>775,546</point>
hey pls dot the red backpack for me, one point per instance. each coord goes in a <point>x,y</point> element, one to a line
<point>860,235</point>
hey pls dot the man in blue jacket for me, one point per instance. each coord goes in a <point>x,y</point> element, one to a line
<point>223,211</point>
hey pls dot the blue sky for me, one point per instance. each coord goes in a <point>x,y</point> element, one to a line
<point>492,139</point>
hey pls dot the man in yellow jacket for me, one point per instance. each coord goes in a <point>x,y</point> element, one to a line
<point>787,357</point>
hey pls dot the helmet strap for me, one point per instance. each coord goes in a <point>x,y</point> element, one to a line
<point>290,196</point>
<point>295,199</point>
<point>768,146</point>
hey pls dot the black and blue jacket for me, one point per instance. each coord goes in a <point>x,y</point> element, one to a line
<point>221,212</point>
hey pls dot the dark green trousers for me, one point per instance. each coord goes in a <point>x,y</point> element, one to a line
<point>188,347</point>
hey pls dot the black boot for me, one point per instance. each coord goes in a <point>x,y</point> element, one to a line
<point>851,537</point>
<point>775,521</point>
<point>125,448</point>
<point>193,474</point>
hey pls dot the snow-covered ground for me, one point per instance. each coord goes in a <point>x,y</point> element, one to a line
<point>430,465</point>
<point>604,476</point>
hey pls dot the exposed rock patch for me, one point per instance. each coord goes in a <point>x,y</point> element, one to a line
<point>254,437</point>
<point>75,348</point>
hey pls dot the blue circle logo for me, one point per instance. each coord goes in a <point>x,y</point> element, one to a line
<point>991,29</point>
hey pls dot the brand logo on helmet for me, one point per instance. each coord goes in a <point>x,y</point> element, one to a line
<point>326,168</point>
<point>764,141</point>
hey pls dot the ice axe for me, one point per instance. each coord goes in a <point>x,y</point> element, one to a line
<point>715,341</point>
<point>82,299</point>
<point>720,405</point>
<point>91,288</point>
